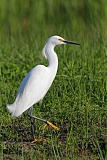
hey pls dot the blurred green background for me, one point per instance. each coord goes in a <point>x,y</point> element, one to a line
<point>77,99</point>
<point>32,18</point>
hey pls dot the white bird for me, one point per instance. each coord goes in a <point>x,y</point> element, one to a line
<point>36,83</point>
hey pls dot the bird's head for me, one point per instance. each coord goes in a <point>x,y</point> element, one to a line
<point>56,40</point>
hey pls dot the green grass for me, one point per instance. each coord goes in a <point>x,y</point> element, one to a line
<point>77,99</point>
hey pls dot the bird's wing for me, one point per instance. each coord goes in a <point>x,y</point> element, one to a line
<point>32,89</point>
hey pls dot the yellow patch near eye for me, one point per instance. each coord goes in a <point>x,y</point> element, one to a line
<point>60,40</point>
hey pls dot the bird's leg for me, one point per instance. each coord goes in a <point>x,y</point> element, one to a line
<point>40,119</point>
<point>45,121</point>
<point>31,120</point>
<point>32,126</point>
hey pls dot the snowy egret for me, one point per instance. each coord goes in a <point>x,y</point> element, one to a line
<point>37,82</point>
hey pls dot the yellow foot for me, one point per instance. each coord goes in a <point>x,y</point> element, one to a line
<point>51,125</point>
<point>38,140</point>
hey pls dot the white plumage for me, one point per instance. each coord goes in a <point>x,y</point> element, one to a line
<point>37,82</point>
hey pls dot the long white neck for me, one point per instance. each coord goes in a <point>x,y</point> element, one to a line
<point>50,54</point>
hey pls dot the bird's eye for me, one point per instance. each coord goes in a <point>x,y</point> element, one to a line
<point>60,40</point>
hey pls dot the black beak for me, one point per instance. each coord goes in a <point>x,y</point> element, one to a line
<point>70,42</point>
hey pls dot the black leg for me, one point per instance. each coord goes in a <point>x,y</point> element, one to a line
<point>32,121</point>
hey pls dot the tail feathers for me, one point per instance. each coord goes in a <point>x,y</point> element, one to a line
<point>11,108</point>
